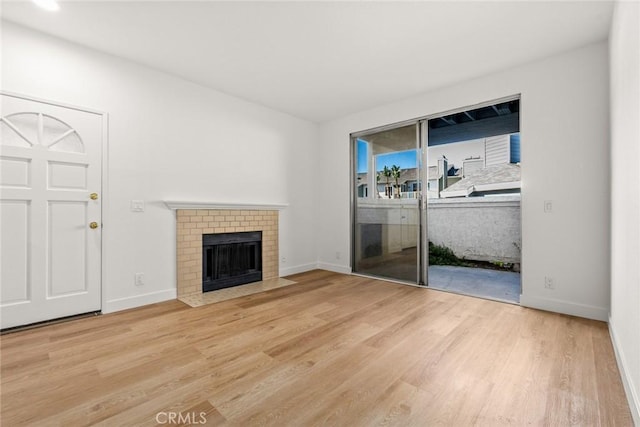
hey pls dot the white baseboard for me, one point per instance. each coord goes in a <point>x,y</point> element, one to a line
<point>629,388</point>
<point>297,269</point>
<point>565,307</point>
<point>139,300</point>
<point>170,294</point>
<point>313,266</point>
<point>334,267</point>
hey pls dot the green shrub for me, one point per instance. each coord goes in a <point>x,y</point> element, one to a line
<point>442,255</point>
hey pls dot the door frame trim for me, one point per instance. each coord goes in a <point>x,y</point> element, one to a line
<point>104,169</point>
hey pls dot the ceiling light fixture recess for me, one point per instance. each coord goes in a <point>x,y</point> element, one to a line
<point>50,5</point>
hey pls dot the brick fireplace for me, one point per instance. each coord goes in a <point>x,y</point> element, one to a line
<point>191,224</point>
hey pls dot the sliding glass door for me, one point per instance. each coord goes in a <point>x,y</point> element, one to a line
<point>436,201</point>
<point>473,201</point>
<point>387,186</point>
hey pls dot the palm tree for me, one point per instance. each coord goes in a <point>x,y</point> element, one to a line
<point>386,172</point>
<point>395,173</point>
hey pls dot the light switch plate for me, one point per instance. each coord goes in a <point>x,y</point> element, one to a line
<point>137,206</point>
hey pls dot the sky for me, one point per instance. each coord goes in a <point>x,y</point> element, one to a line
<point>404,159</point>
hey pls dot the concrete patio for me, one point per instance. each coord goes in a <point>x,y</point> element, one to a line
<point>477,282</point>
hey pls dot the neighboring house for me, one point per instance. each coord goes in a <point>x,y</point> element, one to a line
<point>363,188</point>
<point>497,179</point>
<point>433,183</point>
<point>498,150</point>
<point>497,173</point>
<point>438,178</point>
<point>408,182</point>
<point>471,166</point>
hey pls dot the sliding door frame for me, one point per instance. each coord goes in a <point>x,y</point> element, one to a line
<point>422,146</point>
<point>353,196</point>
<point>423,258</point>
<point>424,122</point>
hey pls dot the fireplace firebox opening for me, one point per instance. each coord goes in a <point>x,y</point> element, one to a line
<point>231,259</point>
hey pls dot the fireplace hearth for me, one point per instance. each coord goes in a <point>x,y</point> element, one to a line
<point>231,259</point>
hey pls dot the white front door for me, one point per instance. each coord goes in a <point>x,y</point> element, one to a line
<point>50,211</point>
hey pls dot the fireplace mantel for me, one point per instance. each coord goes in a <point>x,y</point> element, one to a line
<point>175,205</point>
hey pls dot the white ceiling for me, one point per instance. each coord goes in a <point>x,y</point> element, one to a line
<point>322,60</point>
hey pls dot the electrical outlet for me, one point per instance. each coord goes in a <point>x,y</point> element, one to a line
<point>548,283</point>
<point>139,279</point>
<point>338,254</point>
<point>283,260</point>
<point>548,206</point>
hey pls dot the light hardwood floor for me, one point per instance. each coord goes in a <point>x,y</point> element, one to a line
<point>331,350</point>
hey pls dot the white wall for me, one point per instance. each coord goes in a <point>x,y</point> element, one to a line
<point>565,158</point>
<point>625,197</point>
<point>170,140</point>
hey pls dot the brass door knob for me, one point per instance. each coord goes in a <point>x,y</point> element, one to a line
<point>93,196</point>
<point>93,225</point>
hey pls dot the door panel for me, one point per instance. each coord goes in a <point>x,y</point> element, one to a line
<point>67,248</point>
<point>15,262</point>
<point>67,176</point>
<point>14,172</point>
<point>51,258</point>
<point>386,223</point>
